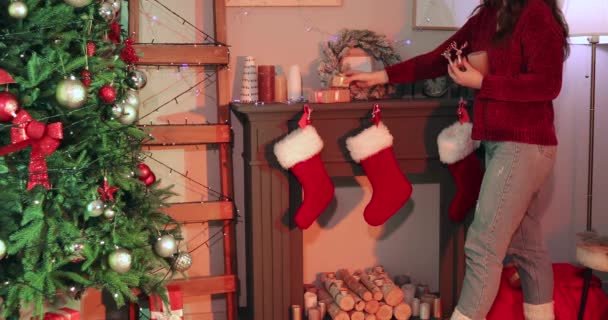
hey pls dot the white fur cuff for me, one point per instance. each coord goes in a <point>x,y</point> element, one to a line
<point>369,142</point>
<point>539,311</point>
<point>297,146</point>
<point>455,142</point>
<point>459,316</point>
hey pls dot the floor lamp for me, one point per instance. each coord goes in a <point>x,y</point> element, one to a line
<point>588,22</point>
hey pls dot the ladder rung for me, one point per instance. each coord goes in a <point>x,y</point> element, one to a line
<point>165,54</point>
<point>203,286</point>
<point>201,211</point>
<point>169,135</point>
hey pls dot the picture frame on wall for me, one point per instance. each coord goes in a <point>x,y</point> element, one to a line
<point>442,14</point>
<point>283,3</point>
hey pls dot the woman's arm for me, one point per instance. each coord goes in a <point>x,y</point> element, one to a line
<point>542,46</point>
<point>431,64</point>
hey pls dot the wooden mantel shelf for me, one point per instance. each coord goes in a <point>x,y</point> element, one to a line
<point>275,246</point>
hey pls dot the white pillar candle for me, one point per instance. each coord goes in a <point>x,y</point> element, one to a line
<point>294,83</point>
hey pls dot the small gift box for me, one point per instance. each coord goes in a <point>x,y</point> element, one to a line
<point>62,314</point>
<point>331,96</point>
<point>172,311</point>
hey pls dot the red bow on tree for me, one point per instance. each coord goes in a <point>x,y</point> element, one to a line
<point>44,140</point>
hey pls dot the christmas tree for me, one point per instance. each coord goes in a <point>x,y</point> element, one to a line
<point>78,208</point>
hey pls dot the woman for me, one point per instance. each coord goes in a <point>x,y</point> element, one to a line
<point>526,45</point>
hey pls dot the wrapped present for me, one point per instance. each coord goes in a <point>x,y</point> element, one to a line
<point>160,310</point>
<point>62,314</point>
<point>331,96</point>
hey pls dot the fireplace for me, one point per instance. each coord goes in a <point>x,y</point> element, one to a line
<point>274,245</point>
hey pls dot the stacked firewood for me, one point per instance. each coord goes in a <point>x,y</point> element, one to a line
<point>359,295</point>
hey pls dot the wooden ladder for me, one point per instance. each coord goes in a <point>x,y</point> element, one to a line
<point>219,133</point>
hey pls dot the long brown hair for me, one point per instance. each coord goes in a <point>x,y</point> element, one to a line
<point>510,12</point>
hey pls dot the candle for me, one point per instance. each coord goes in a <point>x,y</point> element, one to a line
<point>280,88</point>
<point>310,301</point>
<point>437,309</point>
<point>314,314</point>
<point>425,311</point>
<point>294,84</point>
<point>296,312</point>
<point>416,307</point>
<point>322,309</point>
<point>249,83</point>
<point>266,76</point>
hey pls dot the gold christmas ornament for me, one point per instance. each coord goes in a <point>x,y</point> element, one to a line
<point>120,260</point>
<point>78,3</point>
<point>129,114</point>
<point>17,10</point>
<point>71,93</point>
<point>165,246</point>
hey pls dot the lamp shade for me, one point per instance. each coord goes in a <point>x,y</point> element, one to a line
<point>587,18</point>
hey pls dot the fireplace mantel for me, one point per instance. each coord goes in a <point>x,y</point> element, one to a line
<point>274,245</point>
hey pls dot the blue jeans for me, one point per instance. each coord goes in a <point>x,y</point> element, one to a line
<point>504,225</point>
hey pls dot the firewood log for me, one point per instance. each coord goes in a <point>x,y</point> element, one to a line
<point>369,284</point>
<point>402,311</point>
<point>353,284</point>
<point>385,312</point>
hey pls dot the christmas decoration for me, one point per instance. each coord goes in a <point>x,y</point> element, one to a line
<point>44,140</point>
<point>17,10</point>
<point>115,5</point>
<point>132,98</point>
<point>149,180</point>
<point>457,150</point>
<point>128,115</point>
<point>2,249</point>
<point>71,93</point>
<point>107,93</point>
<point>120,260</point>
<point>182,262</point>
<point>143,171</point>
<point>62,314</point>
<point>56,138</point>
<point>299,152</point>
<point>85,77</point>
<point>91,48</point>
<point>8,106</point>
<point>165,246</point>
<point>106,11</point>
<point>76,252</point>
<point>106,192</point>
<point>160,310</point>
<point>128,54</point>
<point>249,83</point>
<point>95,208</point>
<point>136,79</point>
<point>78,3</point>
<point>373,150</point>
<point>109,213</point>
<point>375,45</point>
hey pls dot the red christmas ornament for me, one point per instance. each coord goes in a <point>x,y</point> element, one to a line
<point>107,192</point>
<point>150,180</point>
<point>128,53</point>
<point>107,93</point>
<point>114,34</point>
<point>8,106</point>
<point>144,171</point>
<point>85,77</point>
<point>91,48</point>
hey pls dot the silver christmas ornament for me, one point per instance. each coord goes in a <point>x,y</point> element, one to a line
<point>132,98</point>
<point>95,208</point>
<point>76,252</point>
<point>120,260</point>
<point>165,246</point>
<point>129,115</point>
<point>117,109</point>
<point>106,11</point>
<point>17,10</point>
<point>71,93</point>
<point>182,262</point>
<point>115,4</point>
<point>78,3</point>
<point>137,79</point>
<point>109,213</point>
<point>2,249</point>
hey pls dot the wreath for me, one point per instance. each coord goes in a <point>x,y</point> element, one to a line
<point>375,45</point>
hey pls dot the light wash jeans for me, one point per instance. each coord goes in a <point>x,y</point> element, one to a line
<point>504,226</point>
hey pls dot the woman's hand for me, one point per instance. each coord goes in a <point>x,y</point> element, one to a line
<point>471,77</point>
<point>367,79</point>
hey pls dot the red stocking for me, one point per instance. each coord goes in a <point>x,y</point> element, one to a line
<point>373,149</point>
<point>299,153</point>
<point>456,149</point>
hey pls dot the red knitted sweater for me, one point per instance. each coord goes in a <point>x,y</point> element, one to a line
<point>525,74</point>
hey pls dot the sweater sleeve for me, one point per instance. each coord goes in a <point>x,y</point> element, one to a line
<point>543,55</point>
<point>432,64</point>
